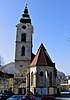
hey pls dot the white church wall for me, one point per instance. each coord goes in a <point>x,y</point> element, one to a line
<point>33,69</point>
<point>42,91</point>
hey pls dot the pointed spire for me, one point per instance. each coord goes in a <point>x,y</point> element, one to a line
<point>26,10</point>
<point>25,16</point>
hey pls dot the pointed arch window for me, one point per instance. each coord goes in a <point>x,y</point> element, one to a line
<point>31,78</point>
<point>23,37</point>
<point>41,73</point>
<point>50,79</point>
<point>23,51</point>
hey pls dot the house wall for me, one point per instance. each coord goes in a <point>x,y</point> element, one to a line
<point>5,84</point>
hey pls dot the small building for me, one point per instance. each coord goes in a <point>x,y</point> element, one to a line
<point>65,85</point>
<point>6,81</point>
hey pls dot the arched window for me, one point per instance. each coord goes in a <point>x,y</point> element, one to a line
<point>41,73</point>
<point>31,78</point>
<point>23,37</point>
<point>23,51</point>
<point>50,79</point>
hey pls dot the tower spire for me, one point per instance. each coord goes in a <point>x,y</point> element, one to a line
<point>25,16</point>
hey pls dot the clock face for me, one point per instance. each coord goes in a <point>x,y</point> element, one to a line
<point>24,26</point>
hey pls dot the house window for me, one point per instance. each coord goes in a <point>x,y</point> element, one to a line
<point>23,37</point>
<point>23,51</point>
<point>21,75</point>
<point>31,78</point>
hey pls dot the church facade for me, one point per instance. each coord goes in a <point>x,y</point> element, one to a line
<point>36,72</point>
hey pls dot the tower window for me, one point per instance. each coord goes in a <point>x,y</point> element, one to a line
<point>23,51</point>
<point>23,37</point>
<point>21,66</point>
<point>24,26</point>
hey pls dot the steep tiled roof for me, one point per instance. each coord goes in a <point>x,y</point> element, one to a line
<point>42,58</point>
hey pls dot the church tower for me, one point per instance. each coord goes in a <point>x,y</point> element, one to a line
<point>23,52</point>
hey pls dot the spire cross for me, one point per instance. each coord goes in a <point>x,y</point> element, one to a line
<point>26,2</point>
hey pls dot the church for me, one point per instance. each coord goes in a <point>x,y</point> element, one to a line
<point>38,72</point>
<point>33,73</point>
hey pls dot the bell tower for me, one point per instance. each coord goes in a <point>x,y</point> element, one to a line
<point>23,50</point>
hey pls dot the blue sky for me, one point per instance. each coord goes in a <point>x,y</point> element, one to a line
<point>51,21</point>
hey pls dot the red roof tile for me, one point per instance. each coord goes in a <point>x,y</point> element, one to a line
<point>42,57</point>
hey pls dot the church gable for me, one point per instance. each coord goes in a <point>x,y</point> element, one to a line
<point>42,58</point>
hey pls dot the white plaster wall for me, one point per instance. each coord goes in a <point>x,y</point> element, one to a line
<point>69,81</point>
<point>33,69</point>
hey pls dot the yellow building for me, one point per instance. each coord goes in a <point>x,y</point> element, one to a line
<point>6,81</point>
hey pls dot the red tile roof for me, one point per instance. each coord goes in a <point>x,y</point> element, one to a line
<point>42,57</point>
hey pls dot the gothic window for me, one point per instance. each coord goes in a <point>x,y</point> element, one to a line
<point>31,78</point>
<point>23,51</point>
<point>41,73</point>
<point>23,37</point>
<point>50,79</point>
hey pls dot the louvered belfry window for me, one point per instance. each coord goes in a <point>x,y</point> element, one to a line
<point>23,37</point>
